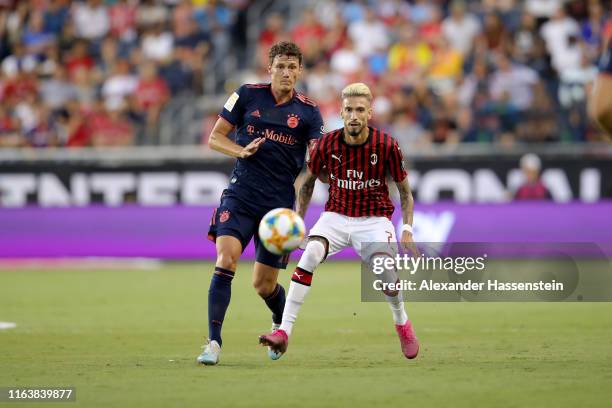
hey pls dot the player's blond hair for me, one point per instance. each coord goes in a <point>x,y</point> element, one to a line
<point>357,89</point>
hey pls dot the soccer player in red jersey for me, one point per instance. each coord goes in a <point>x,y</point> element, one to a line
<point>356,161</point>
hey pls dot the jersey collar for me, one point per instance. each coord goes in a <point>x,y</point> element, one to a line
<point>293,93</point>
<point>370,131</point>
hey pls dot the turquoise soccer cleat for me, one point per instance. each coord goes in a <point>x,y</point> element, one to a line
<point>277,343</point>
<point>274,355</point>
<point>211,353</point>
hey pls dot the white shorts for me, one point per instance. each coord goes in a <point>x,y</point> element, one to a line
<point>367,235</point>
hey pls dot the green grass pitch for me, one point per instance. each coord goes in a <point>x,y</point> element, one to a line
<point>129,338</point>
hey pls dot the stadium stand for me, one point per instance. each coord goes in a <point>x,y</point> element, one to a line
<point>155,72</point>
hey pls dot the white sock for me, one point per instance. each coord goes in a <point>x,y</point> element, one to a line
<point>396,304</point>
<point>295,300</point>
<point>300,283</point>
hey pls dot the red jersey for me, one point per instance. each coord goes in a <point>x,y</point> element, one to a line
<point>151,93</point>
<point>358,173</point>
<point>122,18</point>
<point>535,191</point>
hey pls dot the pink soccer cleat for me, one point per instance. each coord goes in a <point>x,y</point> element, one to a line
<point>408,341</point>
<point>277,341</point>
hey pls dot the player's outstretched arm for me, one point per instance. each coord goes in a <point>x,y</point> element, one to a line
<point>219,140</point>
<point>407,202</point>
<point>305,193</point>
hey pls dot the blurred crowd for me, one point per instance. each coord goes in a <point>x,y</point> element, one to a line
<point>499,71</point>
<point>100,72</point>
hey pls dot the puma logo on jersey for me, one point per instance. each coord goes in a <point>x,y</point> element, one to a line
<point>339,158</point>
<point>298,275</point>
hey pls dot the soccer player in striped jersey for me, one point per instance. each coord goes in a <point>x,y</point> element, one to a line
<point>356,161</point>
<point>273,125</point>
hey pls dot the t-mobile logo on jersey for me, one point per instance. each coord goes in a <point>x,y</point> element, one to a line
<point>271,135</point>
<point>279,137</point>
<point>359,184</point>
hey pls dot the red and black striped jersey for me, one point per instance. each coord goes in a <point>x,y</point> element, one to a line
<point>357,174</point>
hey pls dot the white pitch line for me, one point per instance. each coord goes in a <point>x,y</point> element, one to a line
<point>7,325</point>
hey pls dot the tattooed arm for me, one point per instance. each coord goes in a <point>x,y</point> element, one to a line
<point>407,213</point>
<point>305,193</point>
<point>406,200</point>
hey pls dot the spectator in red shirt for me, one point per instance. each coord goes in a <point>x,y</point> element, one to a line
<point>79,58</point>
<point>271,34</point>
<point>432,29</point>
<point>10,136</point>
<point>150,96</point>
<point>307,30</point>
<point>532,188</point>
<point>151,91</point>
<point>123,20</point>
<point>74,124</point>
<point>111,127</point>
<point>20,87</point>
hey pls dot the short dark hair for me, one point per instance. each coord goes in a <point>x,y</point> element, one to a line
<point>287,48</point>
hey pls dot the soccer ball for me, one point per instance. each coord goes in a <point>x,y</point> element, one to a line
<point>281,230</point>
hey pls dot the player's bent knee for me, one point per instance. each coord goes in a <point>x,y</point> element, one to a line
<point>314,254</point>
<point>229,250</point>
<point>265,284</point>
<point>264,288</point>
<point>265,279</point>
<point>227,260</point>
